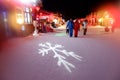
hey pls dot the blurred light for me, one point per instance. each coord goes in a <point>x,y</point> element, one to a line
<point>24,1</point>
<point>23,28</point>
<point>37,17</point>
<point>28,1</point>
<point>33,1</point>
<point>111,21</point>
<point>107,16</point>
<point>55,20</point>
<point>41,14</point>
<point>5,20</point>
<point>37,8</point>
<point>20,20</point>
<point>100,20</point>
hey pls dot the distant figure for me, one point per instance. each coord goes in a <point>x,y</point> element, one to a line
<point>76,28</point>
<point>49,28</point>
<point>107,29</point>
<point>53,24</point>
<point>44,27</point>
<point>85,23</point>
<point>35,24</point>
<point>70,26</point>
<point>67,29</point>
<point>113,28</point>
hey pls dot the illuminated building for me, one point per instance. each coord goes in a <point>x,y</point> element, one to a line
<point>16,16</point>
<point>106,15</point>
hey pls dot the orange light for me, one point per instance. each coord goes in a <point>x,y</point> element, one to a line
<point>100,20</point>
<point>20,19</point>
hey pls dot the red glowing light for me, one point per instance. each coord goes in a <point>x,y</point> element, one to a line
<point>113,12</point>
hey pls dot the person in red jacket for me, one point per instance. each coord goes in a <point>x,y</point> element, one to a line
<point>76,28</point>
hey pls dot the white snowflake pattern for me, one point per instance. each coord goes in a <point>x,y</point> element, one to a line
<point>61,59</point>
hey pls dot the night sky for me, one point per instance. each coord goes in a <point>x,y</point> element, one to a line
<point>74,8</point>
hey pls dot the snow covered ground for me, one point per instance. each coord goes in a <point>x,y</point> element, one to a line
<point>56,56</point>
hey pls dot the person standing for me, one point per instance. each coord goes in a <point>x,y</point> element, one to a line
<point>113,26</point>
<point>76,28</point>
<point>44,27</point>
<point>70,25</point>
<point>85,24</point>
<point>67,29</point>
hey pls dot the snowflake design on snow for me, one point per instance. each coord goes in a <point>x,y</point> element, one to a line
<point>56,50</point>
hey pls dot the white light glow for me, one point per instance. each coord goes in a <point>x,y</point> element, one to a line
<point>45,48</point>
<point>100,20</point>
<point>28,1</point>
<point>23,28</point>
<point>33,1</point>
<point>20,21</point>
<point>5,20</point>
<point>55,20</point>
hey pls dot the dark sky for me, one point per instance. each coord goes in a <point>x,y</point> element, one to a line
<point>74,8</point>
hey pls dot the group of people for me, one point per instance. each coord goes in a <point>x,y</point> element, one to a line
<point>44,27</point>
<point>72,28</point>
